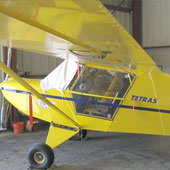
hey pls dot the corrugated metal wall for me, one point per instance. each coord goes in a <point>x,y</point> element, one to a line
<point>1,78</point>
<point>0,59</point>
<point>156,32</point>
<point>37,64</point>
<point>124,18</point>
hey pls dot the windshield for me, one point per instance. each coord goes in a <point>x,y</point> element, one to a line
<point>99,91</point>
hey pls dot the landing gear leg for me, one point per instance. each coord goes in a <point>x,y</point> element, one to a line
<point>40,156</point>
<point>81,135</point>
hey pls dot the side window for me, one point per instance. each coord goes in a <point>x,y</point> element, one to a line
<point>98,92</point>
<point>94,81</point>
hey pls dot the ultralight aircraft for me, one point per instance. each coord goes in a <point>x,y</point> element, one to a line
<point>106,82</point>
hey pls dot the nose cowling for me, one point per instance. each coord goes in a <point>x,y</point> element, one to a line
<point>14,94</point>
<point>9,84</point>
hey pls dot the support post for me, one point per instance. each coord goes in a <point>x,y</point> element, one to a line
<point>137,20</point>
<point>2,118</point>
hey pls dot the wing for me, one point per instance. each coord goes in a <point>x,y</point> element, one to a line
<point>78,25</point>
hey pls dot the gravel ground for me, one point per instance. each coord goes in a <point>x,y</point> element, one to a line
<point>100,151</point>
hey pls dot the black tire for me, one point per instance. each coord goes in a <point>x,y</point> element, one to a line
<point>40,156</point>
<point>81,135</point>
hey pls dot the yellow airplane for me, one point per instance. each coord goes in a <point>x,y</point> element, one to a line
<point>106,82</point>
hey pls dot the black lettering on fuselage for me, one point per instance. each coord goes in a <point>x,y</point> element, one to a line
<point>155,101</point>
<point>149,100</point>
<point>136,98</point>
<point>145,99</point>
<point>133,97</point>
<point>140,98</point>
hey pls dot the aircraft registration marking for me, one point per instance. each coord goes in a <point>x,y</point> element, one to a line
<point>144,99</point>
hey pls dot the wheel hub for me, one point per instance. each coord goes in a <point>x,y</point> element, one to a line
<point>39,157</point>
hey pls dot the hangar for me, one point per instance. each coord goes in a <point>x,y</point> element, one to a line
<point>107,64</point>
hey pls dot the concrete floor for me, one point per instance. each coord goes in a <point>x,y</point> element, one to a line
<point>101,151</point>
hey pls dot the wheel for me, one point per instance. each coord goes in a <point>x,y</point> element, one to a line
<point>40,156</point>
<point>81,135</point>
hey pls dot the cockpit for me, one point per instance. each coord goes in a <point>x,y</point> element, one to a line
<point>97,91</point>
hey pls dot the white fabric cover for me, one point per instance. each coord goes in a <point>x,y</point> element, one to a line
<point>60,77</point>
